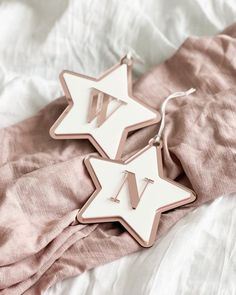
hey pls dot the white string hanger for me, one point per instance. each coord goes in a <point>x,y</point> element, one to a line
<point>157,138</point>
<point>132,57</point>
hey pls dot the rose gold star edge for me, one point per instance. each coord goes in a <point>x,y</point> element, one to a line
<point>132,232</point>
<point>88,135</point>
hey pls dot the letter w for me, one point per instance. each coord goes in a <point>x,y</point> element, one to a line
<point>98,108</point>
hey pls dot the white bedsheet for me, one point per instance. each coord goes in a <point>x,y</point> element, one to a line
<point>38,39</point>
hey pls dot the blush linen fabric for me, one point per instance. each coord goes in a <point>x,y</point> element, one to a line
<point>43,182</point>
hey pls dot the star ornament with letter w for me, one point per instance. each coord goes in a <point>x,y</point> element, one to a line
<point>102,110</point>
<point>134,193</point>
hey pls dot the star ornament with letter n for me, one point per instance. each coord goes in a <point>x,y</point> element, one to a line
<point>102,110</point>
<point>134,193</point>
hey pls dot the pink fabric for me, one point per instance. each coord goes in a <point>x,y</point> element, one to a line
<point>43,182</point>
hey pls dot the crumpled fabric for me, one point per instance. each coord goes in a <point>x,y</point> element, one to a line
<point>43,182</point>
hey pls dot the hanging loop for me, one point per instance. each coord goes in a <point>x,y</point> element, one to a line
<point>156,140</point>
<point>132,57</point>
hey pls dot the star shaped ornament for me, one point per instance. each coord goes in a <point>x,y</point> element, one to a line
<point>102,110</point>
<point>134,193</point>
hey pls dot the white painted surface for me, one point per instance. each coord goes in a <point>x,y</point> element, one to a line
<point>157,195</point>
<point>109,134</point>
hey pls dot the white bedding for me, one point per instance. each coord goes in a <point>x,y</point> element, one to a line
<point>38,39</point>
